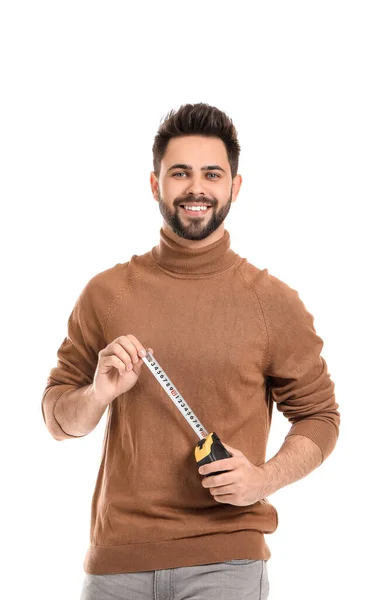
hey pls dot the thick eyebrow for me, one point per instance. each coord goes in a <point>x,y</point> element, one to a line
<point>190,168</point>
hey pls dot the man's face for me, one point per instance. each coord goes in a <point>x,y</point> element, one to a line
<point>195,171</point>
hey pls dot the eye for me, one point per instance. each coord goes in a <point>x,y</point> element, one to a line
<point>183,173</point>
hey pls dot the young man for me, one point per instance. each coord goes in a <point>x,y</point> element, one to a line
<point>234,339</point>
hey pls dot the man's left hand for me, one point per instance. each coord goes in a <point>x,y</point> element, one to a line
<point>242,485</point>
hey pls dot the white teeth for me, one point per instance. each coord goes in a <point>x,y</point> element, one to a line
<point>196,207</point>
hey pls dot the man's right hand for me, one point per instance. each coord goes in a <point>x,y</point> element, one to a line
<point>119,366</point>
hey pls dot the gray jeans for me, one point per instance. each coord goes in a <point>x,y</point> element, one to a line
<point>239,579</point>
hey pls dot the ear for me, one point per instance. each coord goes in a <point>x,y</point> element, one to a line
<point>154,185</point>
<point>236,184</point>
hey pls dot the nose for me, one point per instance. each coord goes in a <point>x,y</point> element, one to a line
<point>195,187</point>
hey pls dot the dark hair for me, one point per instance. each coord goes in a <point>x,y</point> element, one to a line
<point>197,119</point>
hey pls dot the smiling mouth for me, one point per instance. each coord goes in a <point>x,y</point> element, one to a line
<point>195,213</point>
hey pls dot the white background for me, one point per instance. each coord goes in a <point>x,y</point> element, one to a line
<point>84,88</point>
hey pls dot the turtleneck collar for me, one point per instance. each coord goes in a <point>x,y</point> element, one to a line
<point>208,260</point>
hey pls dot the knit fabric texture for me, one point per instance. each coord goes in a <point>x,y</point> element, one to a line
<point>235,340</point>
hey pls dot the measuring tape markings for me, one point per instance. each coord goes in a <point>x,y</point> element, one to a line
<point>209,448</point>
<point>175,395</point>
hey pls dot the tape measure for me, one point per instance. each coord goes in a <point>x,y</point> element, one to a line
<point>209,448</point>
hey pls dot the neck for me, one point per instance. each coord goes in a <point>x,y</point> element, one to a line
<point>172,256</point>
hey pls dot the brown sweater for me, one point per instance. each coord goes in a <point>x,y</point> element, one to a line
<point>233,339</point>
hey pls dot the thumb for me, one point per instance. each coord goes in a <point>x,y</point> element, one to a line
<point>232,450</point>
<point>138,366</point>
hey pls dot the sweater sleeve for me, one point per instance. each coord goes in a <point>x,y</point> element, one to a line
<point>77,357</point>
<point>297,375</point>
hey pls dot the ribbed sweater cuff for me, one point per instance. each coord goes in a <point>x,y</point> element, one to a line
<point>323,434</point>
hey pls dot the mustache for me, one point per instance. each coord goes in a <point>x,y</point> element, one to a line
<point>195,200</point>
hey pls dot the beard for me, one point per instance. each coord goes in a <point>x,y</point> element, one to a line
<point>196,228</point>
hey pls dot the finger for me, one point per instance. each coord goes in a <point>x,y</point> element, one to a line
<point>212,484</point>
<point>140,362</point>
<point>131,347</point>
<point>233,451</point>
<point>113,361</point>
<point>221,490</point>
<point>137,366</point>
<point>223,464</point>
<point>140,350</point>
<point>224,499</point>
<point>116,348</point>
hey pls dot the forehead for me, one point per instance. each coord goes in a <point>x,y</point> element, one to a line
<point>197,150</point>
